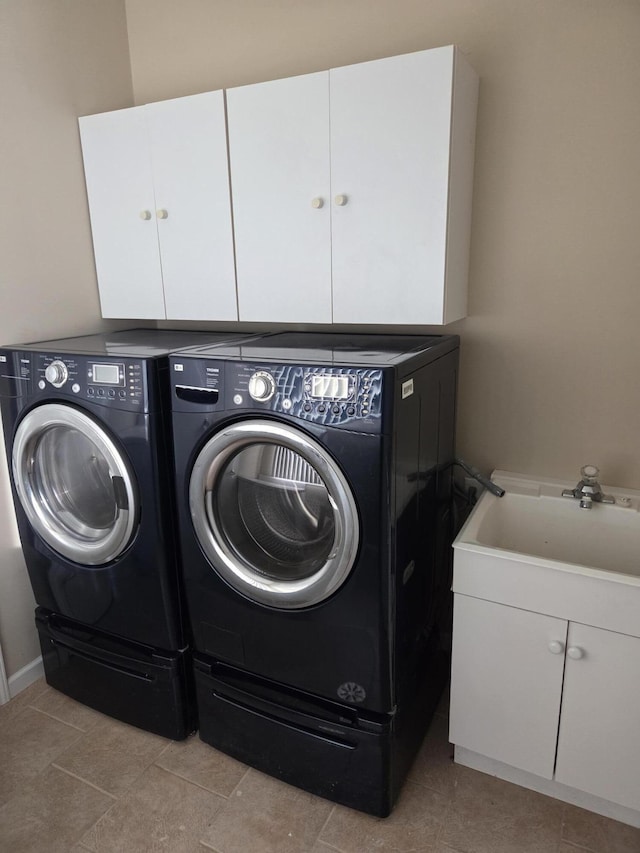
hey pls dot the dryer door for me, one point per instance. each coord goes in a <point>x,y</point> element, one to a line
<point>75,486</point>
<point>274,514</point>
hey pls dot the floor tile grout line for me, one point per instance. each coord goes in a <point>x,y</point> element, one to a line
<point>194,783</point>
<point>324,825</point>
<point>240,781</point>
<point>114,797</point>
<point>208,846</point>
<point>58,720</point>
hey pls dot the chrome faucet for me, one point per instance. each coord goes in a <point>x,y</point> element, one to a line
<point>588,489</point>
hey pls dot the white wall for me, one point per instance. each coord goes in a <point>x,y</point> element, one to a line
<point>58,59</point>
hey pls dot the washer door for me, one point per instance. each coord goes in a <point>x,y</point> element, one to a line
<point>274,514</point>
<point>75,486</point>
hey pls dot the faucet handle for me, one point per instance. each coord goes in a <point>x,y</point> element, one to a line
<point>590,473</point>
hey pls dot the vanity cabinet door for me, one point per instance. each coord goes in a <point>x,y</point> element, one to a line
<point>280,173</point>
<point>506,683</point>
<point>122,207</point>
<point>599,738</point>
<point>158,189</point>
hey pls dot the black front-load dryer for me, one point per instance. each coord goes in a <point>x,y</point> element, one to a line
<point>87,434</point>
<point>314,489</point>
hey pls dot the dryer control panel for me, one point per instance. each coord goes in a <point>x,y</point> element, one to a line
<point>349,397</point>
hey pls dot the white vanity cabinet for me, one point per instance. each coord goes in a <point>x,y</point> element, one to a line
<point>158,190</point>
<point>352,191</point>
<point>525,684</point>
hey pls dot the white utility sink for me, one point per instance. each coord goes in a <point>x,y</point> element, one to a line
<point>533,548</point>
<point>533,518</point>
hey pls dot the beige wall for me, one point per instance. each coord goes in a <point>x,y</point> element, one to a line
<point>550,351</point>
<point>58,59</point>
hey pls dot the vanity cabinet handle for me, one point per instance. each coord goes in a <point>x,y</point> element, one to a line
<point>575,652</point>
<point>556,647</point>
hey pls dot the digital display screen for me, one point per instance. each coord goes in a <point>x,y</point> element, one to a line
<point>106,374</point>
<point>327,386</point>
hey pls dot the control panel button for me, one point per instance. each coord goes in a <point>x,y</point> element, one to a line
<point>262,386</point>
<point>75,388</point>
<point>56,373</point>
<point>286,404</point>
<point>42,385</point>
<point>237,399</point>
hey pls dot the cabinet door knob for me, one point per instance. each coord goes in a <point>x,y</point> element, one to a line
<point>575,652</point>
<point>162,214</point>
<point>341,200</point>
<point>145,214</point>
<point>317,203</point>
<point>556,647</point>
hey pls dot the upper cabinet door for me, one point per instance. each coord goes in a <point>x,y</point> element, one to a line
<point>280,173</point>
<point>402,141</point>
<point>119,181</point>
<point>193,209</point>
<point>158,188</point>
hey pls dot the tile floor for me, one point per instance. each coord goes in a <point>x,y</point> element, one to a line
<point>72,780</point>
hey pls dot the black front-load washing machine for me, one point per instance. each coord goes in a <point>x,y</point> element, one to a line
<point>314,495</point>
<point>87,434</point>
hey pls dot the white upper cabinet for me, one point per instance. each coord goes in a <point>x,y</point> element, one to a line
<point>351,197</point>
<point>402,152</point>
<point>352,191</point>
<point>123,214</point>
<point>280,168</point>
<point>158,189</point>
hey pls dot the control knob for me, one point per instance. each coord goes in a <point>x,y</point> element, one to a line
<point>262,386</point>
<point>56,373</point>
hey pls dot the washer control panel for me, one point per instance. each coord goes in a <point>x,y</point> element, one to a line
<point>111,382</point>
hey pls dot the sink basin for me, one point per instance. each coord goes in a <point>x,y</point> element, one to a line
<point>536,550</point>
<point>533,518</point>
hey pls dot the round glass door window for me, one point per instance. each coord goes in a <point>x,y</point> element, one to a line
<point>74,484</point>
<point>274,514</point>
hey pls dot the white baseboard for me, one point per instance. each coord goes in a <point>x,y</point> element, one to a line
<point>21,679</point>
<point>4,685</point>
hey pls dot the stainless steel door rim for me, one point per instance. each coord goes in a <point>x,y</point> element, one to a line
<point>316,472</point>
<point>45,488</point>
